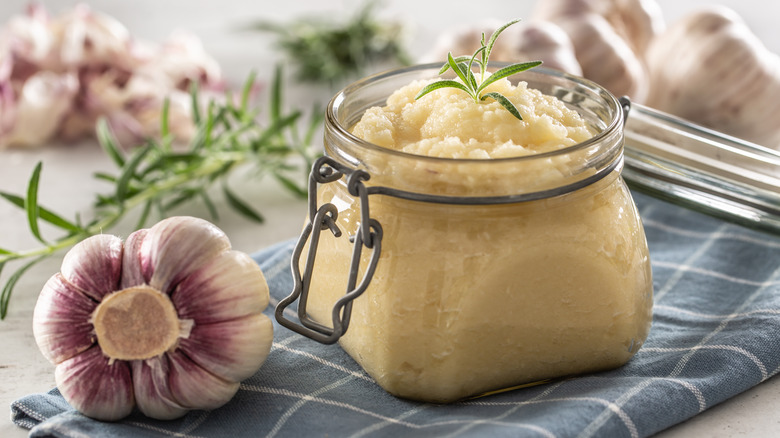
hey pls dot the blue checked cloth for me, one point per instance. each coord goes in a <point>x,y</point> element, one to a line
<point>716,333</point>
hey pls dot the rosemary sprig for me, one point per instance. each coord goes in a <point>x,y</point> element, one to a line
<point>330,52</point>
<point>462,66</point>
<point>158,176</point>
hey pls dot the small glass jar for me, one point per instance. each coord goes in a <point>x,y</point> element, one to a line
<point>459,277</point>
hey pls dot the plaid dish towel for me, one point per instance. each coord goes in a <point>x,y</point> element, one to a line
<point>716,333</point>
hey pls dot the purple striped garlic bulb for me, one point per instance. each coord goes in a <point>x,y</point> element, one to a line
<point>169,321</point>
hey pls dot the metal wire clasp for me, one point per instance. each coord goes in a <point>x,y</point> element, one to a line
<point>369,235</point>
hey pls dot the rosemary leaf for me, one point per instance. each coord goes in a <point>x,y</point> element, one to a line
<point>241,206</point>
<point>195,103</point>
<point>506,72</point>
<point>144,215</point>
<point>506,103</point>
<point>5,295</point>
<point>43,213</point>
<point>433,86</point>
<point>107,139</point>
<point>31,203</point>
<point>209,204</point>
<point>128,172</point>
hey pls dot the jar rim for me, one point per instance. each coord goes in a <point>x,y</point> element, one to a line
<point>611,102</point>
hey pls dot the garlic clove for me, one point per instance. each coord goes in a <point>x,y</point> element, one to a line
<point>547,42</point>
<point>230,286</point>
<point>605,57</point>
<point>89,37</point>
<point>232,350</point>
<point>196,388</point>
<point>94,265</point>
<point>45,98</point>
<point>95,386</point>
<point>177,246</point>
<point>133,273</point>
<point>152,391</point>
<point>61,320</point>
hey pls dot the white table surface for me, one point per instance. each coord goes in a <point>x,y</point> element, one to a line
<point>67,185</point>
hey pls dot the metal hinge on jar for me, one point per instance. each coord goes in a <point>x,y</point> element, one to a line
<point>369,235</point>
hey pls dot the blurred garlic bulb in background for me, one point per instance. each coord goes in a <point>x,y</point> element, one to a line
<point>44,100</point>
<point>116,76</point>
<point>710,68</point>
<point>610,38</point>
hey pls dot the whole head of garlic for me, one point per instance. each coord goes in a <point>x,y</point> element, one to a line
<point>169,321</point>
<point>711,69</point>
<point>610,38</point>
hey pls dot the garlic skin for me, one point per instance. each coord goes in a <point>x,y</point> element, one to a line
<point>168,321</point>
<point>711,69</point>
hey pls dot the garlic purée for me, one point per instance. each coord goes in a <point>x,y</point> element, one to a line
<point>448,124</point>
<point>169,321</point>
<point>468,299</point>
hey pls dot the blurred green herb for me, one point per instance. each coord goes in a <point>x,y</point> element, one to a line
<point>462,66</point>
<point>158,176</point>
<point>328,52</point>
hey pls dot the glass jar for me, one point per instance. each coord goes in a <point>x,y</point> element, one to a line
<point>458,277</point>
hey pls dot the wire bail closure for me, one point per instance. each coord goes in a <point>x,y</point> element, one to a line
<point>369,235</point>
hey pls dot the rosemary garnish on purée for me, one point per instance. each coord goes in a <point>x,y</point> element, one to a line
<point>158,177</point>
<point>462,66</point>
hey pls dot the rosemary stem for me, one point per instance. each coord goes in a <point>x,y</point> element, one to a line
<point>110,219</point>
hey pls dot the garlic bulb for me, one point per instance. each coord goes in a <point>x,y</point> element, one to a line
<point>606,58</point>
<point>710,68</point>
<point>610,38</point>
<point>637,22</point>
<point>115,76</point>
<point>169,321</point>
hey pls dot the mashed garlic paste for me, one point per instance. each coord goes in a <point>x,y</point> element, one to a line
<point>448,124</point>
<point>468,299</point>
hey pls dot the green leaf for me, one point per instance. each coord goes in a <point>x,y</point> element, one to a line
<point>109,143</point>
<point>292,186</point>
<point>31,203</point>
<point>6,252</point>
<point>195,102</point>
<point>247,90</point>
<point>506,103</point>
<point>240,206</point>
<point>494,37</point>
<point>43,213</point>
<point>104,177</point>
<point>165,118</point>
<point>141,223</point>
<point>128,171</point>
<point>5,295</point>
<point>455,66</point>
<point>276,94</point>
<point>444,83</point>
<point>446,66</point>
<point>209,204</point>
<point>276,127</point>
<point>506,72</point>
